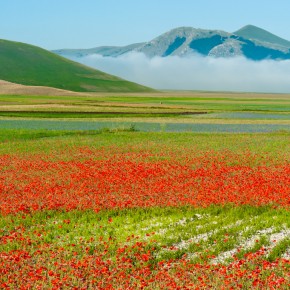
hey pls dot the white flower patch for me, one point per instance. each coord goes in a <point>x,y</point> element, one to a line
<point>274,239</point>
<point>250,242</point>
<point>286,255</point>
<point>185,244</point>
<point>277,238</point>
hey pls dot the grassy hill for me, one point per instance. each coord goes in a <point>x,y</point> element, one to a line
<point>30,65</point>
<point>256,33</point>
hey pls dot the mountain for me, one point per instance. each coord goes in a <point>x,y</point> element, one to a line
<point>255,33</point>
<point>112,51</point>
<point>250,41</point>
<point>30,65</point>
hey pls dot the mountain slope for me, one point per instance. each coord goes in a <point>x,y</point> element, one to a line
<point>251,42</point>
<point>30,65</point>
<point>255,33</point>
<point>113,51</point>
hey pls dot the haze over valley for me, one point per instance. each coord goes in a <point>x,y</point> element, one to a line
<point>186,58</point>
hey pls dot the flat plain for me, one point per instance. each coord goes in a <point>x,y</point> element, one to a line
<point>123,191</point>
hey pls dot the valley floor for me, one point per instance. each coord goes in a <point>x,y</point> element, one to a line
<point>144,210</point>
<point>117,208</point>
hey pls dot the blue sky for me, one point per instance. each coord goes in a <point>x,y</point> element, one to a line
<point>54,24</point>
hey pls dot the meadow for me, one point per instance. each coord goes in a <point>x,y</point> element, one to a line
<point>155,112</point>
<point>117,207</point>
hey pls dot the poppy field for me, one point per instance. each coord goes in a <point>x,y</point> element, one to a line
<point>133,210</point>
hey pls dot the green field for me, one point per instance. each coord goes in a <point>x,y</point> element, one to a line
<point>171,226</point>
<point>215,236</point>
<point>58,154</point>
<point>167,101</point>
<point>13,141</point>
<point>160,112</point>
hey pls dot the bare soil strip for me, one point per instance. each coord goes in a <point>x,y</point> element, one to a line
<point>7,88</point>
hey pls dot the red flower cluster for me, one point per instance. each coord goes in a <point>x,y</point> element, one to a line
<point>49,268</point>
<point>101,180</point>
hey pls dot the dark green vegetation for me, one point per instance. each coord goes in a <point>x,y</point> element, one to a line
<point>30,65</point>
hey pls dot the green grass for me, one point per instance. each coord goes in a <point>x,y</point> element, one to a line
<point>196,232</point>
<point>150,103</point>
<point>204,235</point>
<point>279,249</point>
<point>196,112</point>
<point>46,141</point>
<point>30,65</point>
<point>86,115</point>
<point>7,135</point>
<point>210,104</point>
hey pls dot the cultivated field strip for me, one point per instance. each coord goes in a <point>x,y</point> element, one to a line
<point>129,210</point>
<point>215,235</point>
<point>220,238</point>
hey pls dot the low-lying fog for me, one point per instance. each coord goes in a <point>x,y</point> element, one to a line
<point>197,72</point>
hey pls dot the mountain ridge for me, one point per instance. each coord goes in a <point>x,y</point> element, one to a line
<point>250,41</point>
<point>256,33</point>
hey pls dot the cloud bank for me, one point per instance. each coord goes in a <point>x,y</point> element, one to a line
<point>197,72</point>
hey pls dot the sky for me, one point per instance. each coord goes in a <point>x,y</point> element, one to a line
<point>56,24</point>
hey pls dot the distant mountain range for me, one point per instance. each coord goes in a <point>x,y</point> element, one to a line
<point>250,41</point>
<point>26,64</point>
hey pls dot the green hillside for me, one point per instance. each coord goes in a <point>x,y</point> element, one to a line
<point>30,65</point>
<point>256,33</point>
